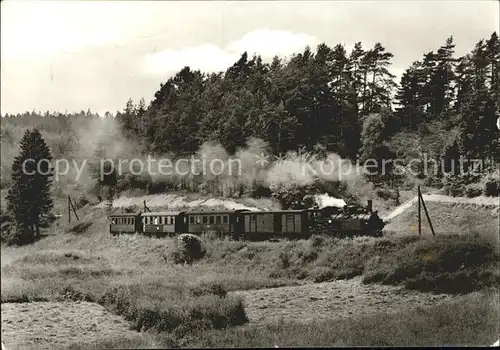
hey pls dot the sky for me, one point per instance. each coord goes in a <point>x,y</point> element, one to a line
<point>73,56</point>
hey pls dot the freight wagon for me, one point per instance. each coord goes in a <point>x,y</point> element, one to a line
<point>269,224</point>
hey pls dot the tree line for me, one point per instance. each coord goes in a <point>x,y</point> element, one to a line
<point>324,97</point>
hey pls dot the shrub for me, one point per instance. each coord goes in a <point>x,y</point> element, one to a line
<point>473,191</point>
<point>441,265</point>
<point>385,193</point>
<point>189,249</point>
<point>174,308</point>
<point>12,234</point>
<point>81,202</point>
<point>492,188</point>
<point>79,227</point>
<point>7,234</point>
<point>157,187</point>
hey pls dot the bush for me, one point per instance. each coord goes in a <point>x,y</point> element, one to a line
<point>189,249</point>
<point>172,308</point>
<point>473,191</point>
<point>81,202</point>
<point>454,190</point>
<point>79,227</point>
<point>441,265</point>
<point>385,193</point>
<point>157,187</point>
<point>12,234</point>
<point>492,188</point>
<point>7,234</point>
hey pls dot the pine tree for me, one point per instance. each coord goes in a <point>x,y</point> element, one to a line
<point>29,198</point>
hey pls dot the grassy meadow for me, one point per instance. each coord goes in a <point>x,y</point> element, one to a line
<point>179,304</point>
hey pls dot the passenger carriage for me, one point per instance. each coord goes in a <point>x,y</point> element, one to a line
<point>166,223</point>
<point>125,223</point>
<point>222,222</point>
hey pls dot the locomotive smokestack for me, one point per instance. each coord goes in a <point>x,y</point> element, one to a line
<point>370,205</point>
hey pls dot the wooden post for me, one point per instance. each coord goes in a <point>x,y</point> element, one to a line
<point>427,214</point>
<point>73,207</point>
<point>419,219</point>
<point>146,207</point>
<point>69,210</point>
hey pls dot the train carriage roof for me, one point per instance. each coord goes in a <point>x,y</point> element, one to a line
<point>294,211</point>
<point>119,215</point>
<point>163,213</point>
<point>214,212</point>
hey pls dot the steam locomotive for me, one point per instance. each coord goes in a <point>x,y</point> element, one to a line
<point>252,225</point>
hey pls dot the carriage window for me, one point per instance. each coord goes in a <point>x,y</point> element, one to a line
<point>156,220</point>
<point>289,217</point>
<point>205,219</point>
<point>198,219</point>
<point>253,217</point>
<point>217,219</point>
<point>191,219</point>
<point>113,221</point>
<point>225,219</point>
<point>211,219</point>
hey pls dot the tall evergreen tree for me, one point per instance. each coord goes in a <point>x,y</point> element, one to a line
<point>29,198</point>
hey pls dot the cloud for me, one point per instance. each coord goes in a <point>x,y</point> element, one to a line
<point>48,28</point>
<point>206,57</point>
<point>211,58</point>
<point>269,43</point>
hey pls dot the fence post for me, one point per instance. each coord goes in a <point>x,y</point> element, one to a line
<point>427,215</point>
<point>419,218</point>
<point>73,206</point>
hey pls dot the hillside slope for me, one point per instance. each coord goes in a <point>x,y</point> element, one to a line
<point>458,215</point>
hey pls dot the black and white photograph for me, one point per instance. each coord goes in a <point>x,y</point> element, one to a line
<point>249,174</point>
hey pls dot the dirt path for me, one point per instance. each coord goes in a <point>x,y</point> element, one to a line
<point>331,300</point>
<point>51,325</point>
<point>481,200</point>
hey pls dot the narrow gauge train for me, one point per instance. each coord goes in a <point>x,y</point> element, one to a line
<point>252,225</point>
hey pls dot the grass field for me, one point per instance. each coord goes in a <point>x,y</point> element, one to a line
<point>194,305</point>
